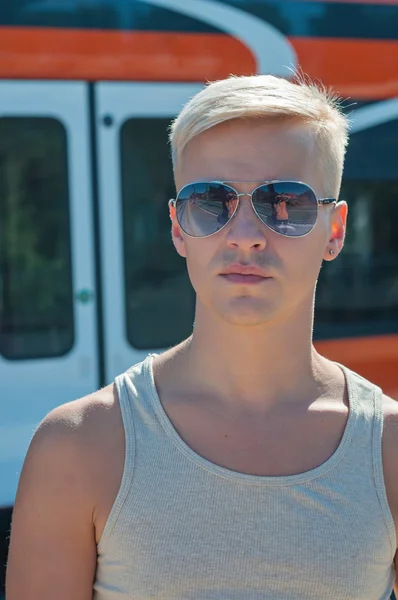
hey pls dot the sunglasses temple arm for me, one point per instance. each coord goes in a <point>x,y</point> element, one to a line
<point>327,201</point>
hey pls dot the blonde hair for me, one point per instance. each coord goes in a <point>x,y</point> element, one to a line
<point>266,96</point>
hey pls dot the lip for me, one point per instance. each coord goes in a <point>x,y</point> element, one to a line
<point>246,274</point>
<point>244,279</point>
<point>239,269</point>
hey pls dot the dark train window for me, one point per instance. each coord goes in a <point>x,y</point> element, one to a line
<point>36,297</point>
<point>159,300</point>
<point>358,292</point>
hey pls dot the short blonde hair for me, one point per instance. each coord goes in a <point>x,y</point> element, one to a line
<point>266,96</point>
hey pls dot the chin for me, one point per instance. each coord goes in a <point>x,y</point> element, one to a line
<point>244,321</point>
<point>244,313</point>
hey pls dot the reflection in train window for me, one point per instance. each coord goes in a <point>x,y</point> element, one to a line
<point>36,299</point>
<point>159,299</point>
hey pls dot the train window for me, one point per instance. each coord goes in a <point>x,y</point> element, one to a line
<point>36,297</point>
<point>358,293</point>
<point>159,299</point>
<point>66,14</point>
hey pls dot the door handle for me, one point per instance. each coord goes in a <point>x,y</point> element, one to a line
<point>84,296</point>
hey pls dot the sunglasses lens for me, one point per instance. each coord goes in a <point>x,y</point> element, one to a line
<point>289,208</point>
<point>203,208</point>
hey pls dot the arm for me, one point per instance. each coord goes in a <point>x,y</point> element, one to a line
<point>396,582</point>
<point>52,548</point>
<point>390,453</point>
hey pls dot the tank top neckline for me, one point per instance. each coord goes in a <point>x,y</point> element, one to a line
<point>245,478</point>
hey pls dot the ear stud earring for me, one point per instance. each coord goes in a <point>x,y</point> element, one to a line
<point>331,251</point>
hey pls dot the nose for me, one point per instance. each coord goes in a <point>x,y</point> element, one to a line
<point>245,230</point>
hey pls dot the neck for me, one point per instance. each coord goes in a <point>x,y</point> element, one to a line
<point>274,363</point>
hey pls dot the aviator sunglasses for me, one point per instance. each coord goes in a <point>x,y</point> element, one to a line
<point>289,208</point>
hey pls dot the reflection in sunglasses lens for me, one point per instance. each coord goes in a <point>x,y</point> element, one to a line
<point>203,208</point>
<point>289,208</point>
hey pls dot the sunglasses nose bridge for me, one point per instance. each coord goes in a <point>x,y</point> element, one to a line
<point>246,212</point>
<point>244,194</point>
<point>250,194</point>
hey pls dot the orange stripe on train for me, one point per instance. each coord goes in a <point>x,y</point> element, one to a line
<point>373,357</point>
<point>120,55</point>
<point>358,68</point>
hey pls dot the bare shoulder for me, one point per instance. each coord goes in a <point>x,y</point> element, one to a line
<point>76,429</point>
<point>81,413</point>
<point>84,437</point>
<point>78,449</point>
<point>390,453</point>
<point>71,462</point>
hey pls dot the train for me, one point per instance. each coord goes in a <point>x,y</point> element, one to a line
<point>89,280</point>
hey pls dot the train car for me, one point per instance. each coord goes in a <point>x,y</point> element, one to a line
<point>89,280</point>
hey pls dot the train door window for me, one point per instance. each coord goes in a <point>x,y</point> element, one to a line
<point>159,300</point>
<point>36,296</point>
<point>358,293</point>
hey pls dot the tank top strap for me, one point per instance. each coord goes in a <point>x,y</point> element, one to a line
<point>138,386</point>
<point>128,468</point>
<point>377,453</point>
<point>366,400</point>
<point>365,404</point>
<point>136,407</point>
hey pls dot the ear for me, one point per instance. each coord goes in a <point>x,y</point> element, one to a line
<point>338,225</point>
<point>176,232</point>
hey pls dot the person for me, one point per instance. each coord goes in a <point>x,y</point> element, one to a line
<point>241,463</point>
<point>281,213</point>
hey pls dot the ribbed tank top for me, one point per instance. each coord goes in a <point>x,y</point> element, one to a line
<point>182,527</point>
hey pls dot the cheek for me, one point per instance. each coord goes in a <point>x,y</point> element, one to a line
<point>198,256</point>
<point>323,227</point>
<point>302,259</point>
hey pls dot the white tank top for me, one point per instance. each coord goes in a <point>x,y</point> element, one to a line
<point>183,528</point>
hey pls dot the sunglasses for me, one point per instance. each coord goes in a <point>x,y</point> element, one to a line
<point>289,208</point>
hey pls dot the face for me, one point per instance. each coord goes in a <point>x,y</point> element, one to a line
<point>251,152</point>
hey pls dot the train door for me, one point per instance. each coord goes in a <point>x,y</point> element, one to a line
<point>47,291</point>
<point>147,298</point>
